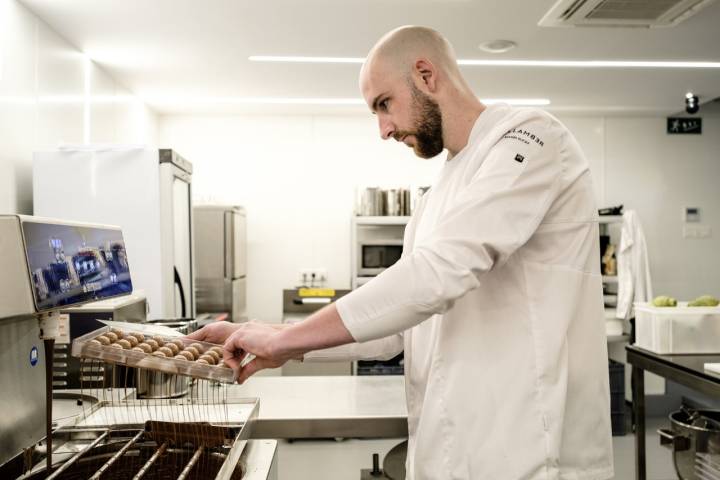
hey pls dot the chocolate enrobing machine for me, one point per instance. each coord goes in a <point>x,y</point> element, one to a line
<point>47,265</point>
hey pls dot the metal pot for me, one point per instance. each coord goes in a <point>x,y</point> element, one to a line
<point>694,437</point>
<point>152,384</point>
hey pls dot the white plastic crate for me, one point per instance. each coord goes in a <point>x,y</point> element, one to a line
<point>680,329</point>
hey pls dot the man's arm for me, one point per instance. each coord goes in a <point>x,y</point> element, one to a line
<point>322,337</point>
<point>272,346</point>
<point>382,349</point>
<point>324,329</point>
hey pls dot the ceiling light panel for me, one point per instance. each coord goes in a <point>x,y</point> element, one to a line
<point>190,100</point>
<point>509,63</point>
<point>301,59</point>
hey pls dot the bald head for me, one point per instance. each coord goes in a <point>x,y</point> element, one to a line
<point>398,50</point>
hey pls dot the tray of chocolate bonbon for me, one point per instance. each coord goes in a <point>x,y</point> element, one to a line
<point>174,355</point>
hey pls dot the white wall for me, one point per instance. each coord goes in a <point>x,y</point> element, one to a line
<point>50,94</point>
<point>297,174</point>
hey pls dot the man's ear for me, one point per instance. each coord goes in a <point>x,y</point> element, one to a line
<point>426,73</point>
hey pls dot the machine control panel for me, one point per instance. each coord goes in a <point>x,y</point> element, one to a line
<point>74,263</point>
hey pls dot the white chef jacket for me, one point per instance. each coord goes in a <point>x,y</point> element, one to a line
<point>634,281</point>
<point>497,302</point>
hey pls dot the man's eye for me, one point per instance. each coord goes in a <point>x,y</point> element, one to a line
<point>383,105</point>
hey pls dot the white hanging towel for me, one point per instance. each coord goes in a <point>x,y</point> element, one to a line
<point>634,282</point>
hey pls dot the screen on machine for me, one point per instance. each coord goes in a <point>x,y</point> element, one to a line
<point>74,264</point>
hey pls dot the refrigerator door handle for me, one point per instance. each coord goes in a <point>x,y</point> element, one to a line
<point>178,282</point>
<point>229,250</point>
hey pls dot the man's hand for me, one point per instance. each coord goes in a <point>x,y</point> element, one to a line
<point>216,332</point>
<point>258,339</point>
<point>272,345</point>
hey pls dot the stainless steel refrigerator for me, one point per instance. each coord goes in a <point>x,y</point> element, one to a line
<point>145,191</point>
<point>221,259</point>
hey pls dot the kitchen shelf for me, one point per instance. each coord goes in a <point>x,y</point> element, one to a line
<point>381,220</point>
<point>609,279</point>
<point>617,338</point>
<point>611,219</point>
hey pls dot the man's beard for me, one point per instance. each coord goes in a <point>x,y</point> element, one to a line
<point>428,125</point>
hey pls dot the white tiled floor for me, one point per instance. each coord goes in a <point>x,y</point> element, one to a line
<point>332,460</point>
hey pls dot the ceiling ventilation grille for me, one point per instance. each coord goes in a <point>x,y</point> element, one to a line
<point>621,13</point>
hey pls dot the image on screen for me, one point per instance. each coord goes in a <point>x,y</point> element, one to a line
<point>75,264</point>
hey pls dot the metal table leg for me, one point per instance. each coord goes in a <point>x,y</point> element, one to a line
<point>638,397</point>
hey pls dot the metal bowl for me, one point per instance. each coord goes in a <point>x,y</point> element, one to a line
<point>694,438</point>
<point>153,384</point>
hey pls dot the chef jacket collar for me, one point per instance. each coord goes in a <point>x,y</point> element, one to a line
<point>482,123</point>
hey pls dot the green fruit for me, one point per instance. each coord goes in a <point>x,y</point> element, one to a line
<point>664,301</point>
<point>704,301</point>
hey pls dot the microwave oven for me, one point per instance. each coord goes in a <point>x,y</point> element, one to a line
<point>374,256</point>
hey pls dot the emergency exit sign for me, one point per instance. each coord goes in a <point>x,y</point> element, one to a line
<point>684,125</point>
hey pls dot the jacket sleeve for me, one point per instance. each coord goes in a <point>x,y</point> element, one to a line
<point>381,349</point>
<point>489,219</point>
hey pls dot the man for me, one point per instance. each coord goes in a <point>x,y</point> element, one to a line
<point>497,299</point>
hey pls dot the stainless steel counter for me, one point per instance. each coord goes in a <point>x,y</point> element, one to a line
<point>327,406</point>
<point>306,407</point>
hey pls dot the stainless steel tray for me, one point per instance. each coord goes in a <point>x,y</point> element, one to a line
<point>84,347</point>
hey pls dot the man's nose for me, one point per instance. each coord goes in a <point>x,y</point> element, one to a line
<point>387,129</point>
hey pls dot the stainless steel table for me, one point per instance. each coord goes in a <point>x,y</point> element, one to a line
<point>327,406</point>
<point>686,370</point>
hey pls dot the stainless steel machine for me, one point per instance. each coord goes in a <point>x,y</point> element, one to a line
<point>67,370</point>
<point>221,259</point>
<point>48,266</point>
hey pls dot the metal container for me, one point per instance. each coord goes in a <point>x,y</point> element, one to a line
<point>221,260</point>
<point>371,202</point>
<point>376,201</point>
<point>694,437</point>
<point>153,384</point>
<point>392,202</point>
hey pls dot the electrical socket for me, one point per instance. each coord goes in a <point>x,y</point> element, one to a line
<point>697,231</point>
<point>704,232</point>
<point>306,278</point>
